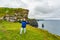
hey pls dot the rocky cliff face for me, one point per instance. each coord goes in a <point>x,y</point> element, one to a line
<point>13,14</point>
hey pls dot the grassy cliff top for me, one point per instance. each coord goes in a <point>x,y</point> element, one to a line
<point>11,11</point>
<point>11,31</point>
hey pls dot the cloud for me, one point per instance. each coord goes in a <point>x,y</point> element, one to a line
<point>12,4</point>
<point>37,8</point>
<point>45,9</point>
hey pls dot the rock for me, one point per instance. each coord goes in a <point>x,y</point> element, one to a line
<point>33,23</point>
<point>1,18</point>
<point>13,15</point>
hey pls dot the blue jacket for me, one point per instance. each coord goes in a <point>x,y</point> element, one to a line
<point>24,24</point>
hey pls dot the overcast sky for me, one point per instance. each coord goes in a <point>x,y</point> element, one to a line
<point>38,8</point>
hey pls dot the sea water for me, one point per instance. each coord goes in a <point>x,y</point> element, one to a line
<point>53,26</point>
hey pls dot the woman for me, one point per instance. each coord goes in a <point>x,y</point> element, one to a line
<point>23,25</point>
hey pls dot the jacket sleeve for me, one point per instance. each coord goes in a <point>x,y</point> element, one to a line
<point>27,22</point>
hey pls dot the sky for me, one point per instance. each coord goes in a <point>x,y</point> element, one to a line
<point>12,3</point>
<point>38,9</point>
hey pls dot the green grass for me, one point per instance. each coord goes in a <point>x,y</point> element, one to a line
<point>11,31</point>
<point>10,11</point>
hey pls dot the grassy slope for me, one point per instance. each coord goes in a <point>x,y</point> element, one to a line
<point>10,31</point>
<point>10,11</point>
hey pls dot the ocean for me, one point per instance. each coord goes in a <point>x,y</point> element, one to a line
<point>53,26</point>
